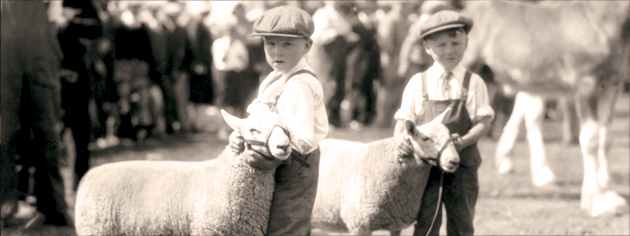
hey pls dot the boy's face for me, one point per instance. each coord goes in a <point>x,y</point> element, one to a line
<point>283,53</point>
<point>446,49</point>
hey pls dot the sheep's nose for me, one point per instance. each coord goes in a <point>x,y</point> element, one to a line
<point>454,163</point>
<point>283,147</point>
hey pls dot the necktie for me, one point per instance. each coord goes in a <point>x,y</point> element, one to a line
<point>446,87</point>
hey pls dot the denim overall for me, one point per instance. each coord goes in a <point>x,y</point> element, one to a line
<point>296,188</point>
<point>460,188</point>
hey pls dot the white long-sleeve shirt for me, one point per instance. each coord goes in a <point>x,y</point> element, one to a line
<point>301,105</point>
<point>477,103</point>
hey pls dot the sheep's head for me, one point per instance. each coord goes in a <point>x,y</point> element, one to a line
<point>432,143</point>
<point>448,157</point>
<point>267,142</point>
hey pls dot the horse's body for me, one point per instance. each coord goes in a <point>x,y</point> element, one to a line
<point>579,50</point>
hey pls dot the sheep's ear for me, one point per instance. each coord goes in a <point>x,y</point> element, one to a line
<point>410,127</point>
<point>231,120</point>
<point>442,117</point>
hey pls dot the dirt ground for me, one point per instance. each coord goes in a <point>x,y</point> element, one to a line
<point>507,204</point>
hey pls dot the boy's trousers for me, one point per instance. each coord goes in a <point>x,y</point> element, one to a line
<point>294,196</point>
<point>459,196</point>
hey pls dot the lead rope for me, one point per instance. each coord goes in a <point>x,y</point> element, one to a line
<point>437,209</point>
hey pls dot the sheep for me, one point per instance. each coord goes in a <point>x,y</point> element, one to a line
<point>366,187</point>
<point>230,195</point>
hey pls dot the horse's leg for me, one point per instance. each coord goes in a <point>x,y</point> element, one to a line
<point>596,199</point>
<point>570,126</point>
<point>607,201</point>
<point>508,136</point>
<point>588,145</point>
<point>533,106</point>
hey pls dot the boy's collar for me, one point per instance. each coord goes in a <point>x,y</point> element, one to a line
<point>458,71</point>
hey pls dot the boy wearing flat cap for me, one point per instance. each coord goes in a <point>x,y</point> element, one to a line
<point>447,84</point>
<point>293,91</point>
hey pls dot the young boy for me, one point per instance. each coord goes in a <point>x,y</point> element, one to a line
<point>293,91</point>
<point>447,84</point>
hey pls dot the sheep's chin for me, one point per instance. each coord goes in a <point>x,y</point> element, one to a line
<point>259,162</point>
<point>449,168</point>
<point>282,155</point>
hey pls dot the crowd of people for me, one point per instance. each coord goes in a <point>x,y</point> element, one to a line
<point>146,66</point>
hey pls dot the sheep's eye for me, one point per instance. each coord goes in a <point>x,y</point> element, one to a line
<point>425,138</point>
<point>254,131</point>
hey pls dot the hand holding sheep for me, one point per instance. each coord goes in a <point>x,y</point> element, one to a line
<point>405,149</point>
<point>237,143</point>
<point>457,141</point>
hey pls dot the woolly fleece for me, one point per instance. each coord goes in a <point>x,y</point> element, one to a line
<point>224,196</point>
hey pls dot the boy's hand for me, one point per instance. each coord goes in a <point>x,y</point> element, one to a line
<point>405,149</point>
<point>237,143</point>
<point>457,141</point>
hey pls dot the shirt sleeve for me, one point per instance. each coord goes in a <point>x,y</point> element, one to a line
<point>299,115</point>
<point>408,106</point>
<point>481,101</point>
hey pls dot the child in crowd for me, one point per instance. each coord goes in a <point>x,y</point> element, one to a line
<point>293,91</point>
<point>447,85</point>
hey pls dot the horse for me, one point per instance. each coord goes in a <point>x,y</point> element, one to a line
<point>576,50</point>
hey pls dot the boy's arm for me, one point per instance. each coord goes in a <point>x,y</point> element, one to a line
<point>484,114</point>
<point>299,116</point>
<point>479,129</point>
<point>398,129</point>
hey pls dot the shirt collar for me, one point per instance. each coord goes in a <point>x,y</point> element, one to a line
<point>277,75</point>
<point>299,66</point>
<point>458,71</point>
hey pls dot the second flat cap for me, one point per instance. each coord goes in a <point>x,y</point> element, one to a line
<point>286,21</point>
<point>442,20</point>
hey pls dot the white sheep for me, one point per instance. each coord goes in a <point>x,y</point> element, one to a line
<point>230,195</point>
<point>366,187</point>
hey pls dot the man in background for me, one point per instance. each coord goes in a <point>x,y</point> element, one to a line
<point>30,94</point>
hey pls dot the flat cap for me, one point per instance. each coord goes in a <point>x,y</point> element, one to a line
<point>286,21</point>
<point>445,19</point>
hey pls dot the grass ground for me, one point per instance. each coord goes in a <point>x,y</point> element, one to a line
<point>507,204</point>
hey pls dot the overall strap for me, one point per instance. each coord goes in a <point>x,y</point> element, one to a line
<point>466,85</point>
<point>300,72</point>
<point>290,76</point>
<point>425,94</point>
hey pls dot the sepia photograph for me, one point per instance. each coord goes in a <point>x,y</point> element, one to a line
<point>311,117</point>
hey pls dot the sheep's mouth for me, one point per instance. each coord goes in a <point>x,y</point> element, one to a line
<point>268,156</point>
<point>450,167</point>
<point>258,161</point>
<point>281,154</point>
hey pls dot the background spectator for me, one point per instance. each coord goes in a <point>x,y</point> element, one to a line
<point>75,40</point>
<point>30,65</point>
